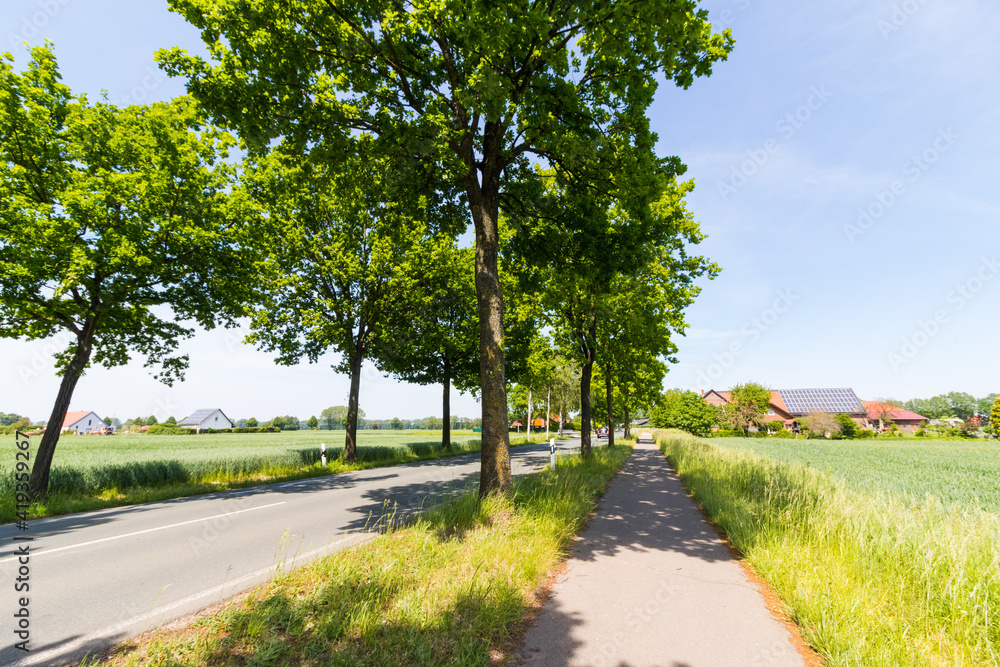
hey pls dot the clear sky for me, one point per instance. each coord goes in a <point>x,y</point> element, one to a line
<point>846,162</point>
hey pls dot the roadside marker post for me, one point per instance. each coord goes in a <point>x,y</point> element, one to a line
<point>552,453</point>
<point>322,453</point>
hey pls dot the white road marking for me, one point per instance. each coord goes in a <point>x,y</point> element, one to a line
<point>43,551</point>
<point>122,626</point>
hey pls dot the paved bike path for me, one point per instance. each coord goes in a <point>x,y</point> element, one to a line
<point>650,583</point>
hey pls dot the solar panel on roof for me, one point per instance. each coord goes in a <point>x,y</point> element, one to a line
<point>804,401</point>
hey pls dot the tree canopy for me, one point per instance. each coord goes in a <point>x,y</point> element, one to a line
<point>116,226</point>
<point>464,93</point>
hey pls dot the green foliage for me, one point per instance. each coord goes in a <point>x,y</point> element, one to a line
<point>684,410</point>
<point>995,413</point>
<point>749,404</point>
<point>116,226</point>
<point>432,333</point>
<point>313,423</point>
<point>151,420</point>
<point>471,96</point>
<point>252,422</point>
<point>167,429</point>
<point>848,427</point>
<point>8,419</point>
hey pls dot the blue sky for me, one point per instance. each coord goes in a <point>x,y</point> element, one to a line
<point>846,167</point>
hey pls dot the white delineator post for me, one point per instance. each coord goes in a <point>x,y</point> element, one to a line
<point>552,453</point>
<point>322,453</point>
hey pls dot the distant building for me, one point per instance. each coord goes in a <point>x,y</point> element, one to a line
<point>882,415</point>
<point>790,405</point>
<point>82,422</point>
<point>208,418</point>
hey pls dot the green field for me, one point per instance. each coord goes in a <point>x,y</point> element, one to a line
<point>91,472</point>
<point>958,473</point>
<point>101,471</point>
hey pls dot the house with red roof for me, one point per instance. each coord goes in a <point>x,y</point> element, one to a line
<point>82,422</point>
<point>881,417</point>
<point>789,405</point>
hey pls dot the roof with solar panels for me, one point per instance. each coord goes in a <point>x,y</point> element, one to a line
<point>801,402</point>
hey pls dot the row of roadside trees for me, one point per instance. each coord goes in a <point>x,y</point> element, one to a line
<point>316,180</point>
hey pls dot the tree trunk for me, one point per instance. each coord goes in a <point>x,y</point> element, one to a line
<point>484,204</point>
<point>611,414</point>
<point>446,410</point>
<point>529,415</point>
<point>548,411</point>
<point>351,441</point>
<point>38,486</point>
<point>628,420</point>
<point>585,375</point>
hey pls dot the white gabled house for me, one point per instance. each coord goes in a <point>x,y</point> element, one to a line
<point>82,422</point>
<point>208,418</point>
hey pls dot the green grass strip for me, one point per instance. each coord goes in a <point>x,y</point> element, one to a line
<point>871,578</point>
<point>448,589</point>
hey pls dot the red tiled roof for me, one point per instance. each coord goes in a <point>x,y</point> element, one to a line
<point>876,409</point>
<point>74,417</point>
<point>776,399</point>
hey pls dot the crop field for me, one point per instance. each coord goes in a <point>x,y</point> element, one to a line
<point>958,473</point>
<point>111,468</point>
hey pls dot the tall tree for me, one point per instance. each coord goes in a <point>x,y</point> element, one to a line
<point>685,410</point>
<point>748,405</point>
<point>566,387</point>
<point>468,90</point>
<point>432,337</point>
<point>115,226</point>
<point>334,249</point>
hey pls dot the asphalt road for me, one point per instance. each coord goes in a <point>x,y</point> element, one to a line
<point>97,578</point>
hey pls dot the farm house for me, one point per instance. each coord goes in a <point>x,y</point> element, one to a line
<point>82,422</point>
<point>208,418</point>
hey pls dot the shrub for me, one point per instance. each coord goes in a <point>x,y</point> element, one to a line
<point>920,433</point>
<point>865,434</point>
<point>166,429</point>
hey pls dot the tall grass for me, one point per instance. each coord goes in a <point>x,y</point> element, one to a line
<point>872,578</point>
<point>449,589</point>
<point>957,472</point>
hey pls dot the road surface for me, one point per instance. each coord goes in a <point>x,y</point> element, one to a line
<point>97,578</point>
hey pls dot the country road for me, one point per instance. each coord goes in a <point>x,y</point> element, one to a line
<point>99,577</point>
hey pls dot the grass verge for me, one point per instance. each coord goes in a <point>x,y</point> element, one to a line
<point>871,578</point>
<point>449,588</point>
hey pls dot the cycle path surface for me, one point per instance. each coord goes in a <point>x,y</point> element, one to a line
<point>649,582</point>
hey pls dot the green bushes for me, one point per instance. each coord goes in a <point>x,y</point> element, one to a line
<point>255,429</point>
<point>166,429</point>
